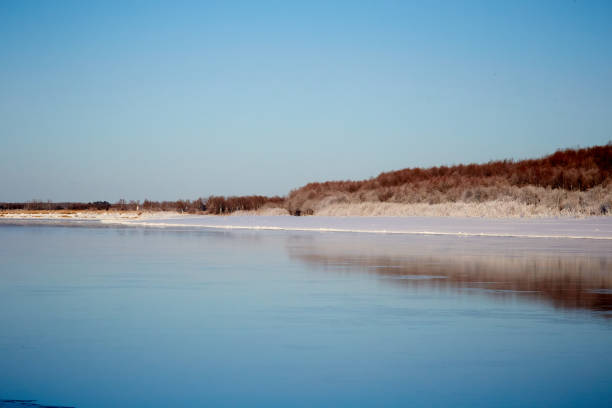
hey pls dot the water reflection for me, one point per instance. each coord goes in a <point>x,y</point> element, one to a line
<point>569,274</point>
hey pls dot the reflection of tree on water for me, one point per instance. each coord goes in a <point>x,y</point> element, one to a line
<point>554,271</point>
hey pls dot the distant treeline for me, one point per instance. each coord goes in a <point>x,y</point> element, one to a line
<point>212,205</point>
<point>121,205</point>
<point>544,181</point>
<point>39,205</point>
<point>222,205</point>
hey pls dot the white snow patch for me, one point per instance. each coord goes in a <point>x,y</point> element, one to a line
<point>582,228</point>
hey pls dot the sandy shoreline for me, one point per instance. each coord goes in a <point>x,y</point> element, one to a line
<point>564,227</point>
<point>84,215</point>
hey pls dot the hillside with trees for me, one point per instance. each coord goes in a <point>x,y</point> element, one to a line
<point>573,182</point>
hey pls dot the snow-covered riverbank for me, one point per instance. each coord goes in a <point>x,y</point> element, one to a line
<point>596,227</point>
<point>586,228</point>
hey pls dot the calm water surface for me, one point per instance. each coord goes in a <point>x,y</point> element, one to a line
<point>101,317</point>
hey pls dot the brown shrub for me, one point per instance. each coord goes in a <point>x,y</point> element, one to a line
<point>566,170</point>
<point>226,205</point>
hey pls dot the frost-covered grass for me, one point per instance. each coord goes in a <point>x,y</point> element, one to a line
<point>491,209</point>
<point>272,211</point>
<point>493,202</point>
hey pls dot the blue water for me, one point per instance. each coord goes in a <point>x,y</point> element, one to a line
<point>107,317</point>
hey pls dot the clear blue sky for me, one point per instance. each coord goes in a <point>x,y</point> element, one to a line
<point>107,100</point>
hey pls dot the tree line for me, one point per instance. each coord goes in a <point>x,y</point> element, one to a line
<point>567,170</point>
<point>210,205</point>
